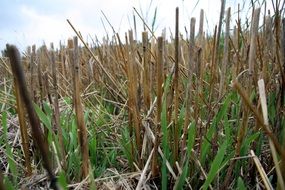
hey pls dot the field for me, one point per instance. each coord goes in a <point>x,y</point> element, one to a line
<point>201,111</point>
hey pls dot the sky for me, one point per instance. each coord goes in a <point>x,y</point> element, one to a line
<point>28,22</point>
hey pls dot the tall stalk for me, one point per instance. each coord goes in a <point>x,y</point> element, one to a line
<point>159,69</point>
<point>82,131</point>
<point>176,91</point>
<point>37,133</point>
<point>56,106</point>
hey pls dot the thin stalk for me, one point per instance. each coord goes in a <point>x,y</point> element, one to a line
<point>268,49</point>
<point>56,106</point>
<point>135,27</point>
<point>278,48</point>
<point>201,28</point>
<point>261,171</point>
<point>189,85</point>
<point>201,48</point>
<point>32,71</point>
<point>23,128</point>
<point>237,44</point>
<point>133,82</point>
<point>82,131</point>
<point>40,73</point>
<point>37,133</point>
<point>146,71</point>
<point>261,88</point>
<point>63,68</point>
<point>215,57</point>
<point>159,69</point>
<point>222,88</point>
<point>129,102</point>
<point>253,43</point>
<point>176,91</point>
<point>145,24</point>
<point>213,69</point>
<point>222,12</point>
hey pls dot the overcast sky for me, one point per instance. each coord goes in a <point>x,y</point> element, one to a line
<point>28,22</point>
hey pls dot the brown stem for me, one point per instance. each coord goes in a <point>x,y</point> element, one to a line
<point>37,133</point>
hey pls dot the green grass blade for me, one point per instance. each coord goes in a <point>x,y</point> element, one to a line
<point>8,150</point>
<point>191,138</point>
<point>164,145</point>
<point>206,144</point>
<point>240,184</point>
<point>185,170</point>
<point>212,130</point>
<point>154,19</point>
<point>8,184</point>
<point>93,149</point>
<point>4,125</point>
<point>181,119</point>
<point>216,165</point>
<point>247,142</point>
<point>12,163</point>
<point>165,136</point>
<point>126,145</point>
<point>45,119</point>
<point>47,109</point>
<point>62,181</point>
<point>181,180</point>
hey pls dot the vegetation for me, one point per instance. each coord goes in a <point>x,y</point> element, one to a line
<point>201,112</point>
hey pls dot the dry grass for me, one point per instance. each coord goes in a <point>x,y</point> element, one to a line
<point>155,114</point>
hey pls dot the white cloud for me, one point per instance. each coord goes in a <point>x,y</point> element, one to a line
<point>49,23</point>
<point>85,16</point>
<point>40,27</point>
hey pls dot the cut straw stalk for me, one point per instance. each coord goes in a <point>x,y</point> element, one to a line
<point>215,49</point>
<point>151,136</point>
<point>23,128</point>
<point>222,88</point>
<point>283,41</point>
<point>56,107</point>
<point>32,72</point>
<point>145,24</point>
<point>189,84</point>
<point>143,173</point>
<point>134,117</point>
<point>40,77</point>
<point>222,81</point>
<point>129,102</point>
<point>37,133</point>
<point>63,68</point>
<point>222,11</point>
<point>278,44</point>
<point>201,44</point>
<point>176,90</point>
<point>253,39</point>
<point>159,70</point>
<point>262,94</point>
<point>237,41</point>
<point>146,71</point>
<point>82,131</point>
<point>268,49</point>
<point>201,28</point>
<point>261,171</point>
